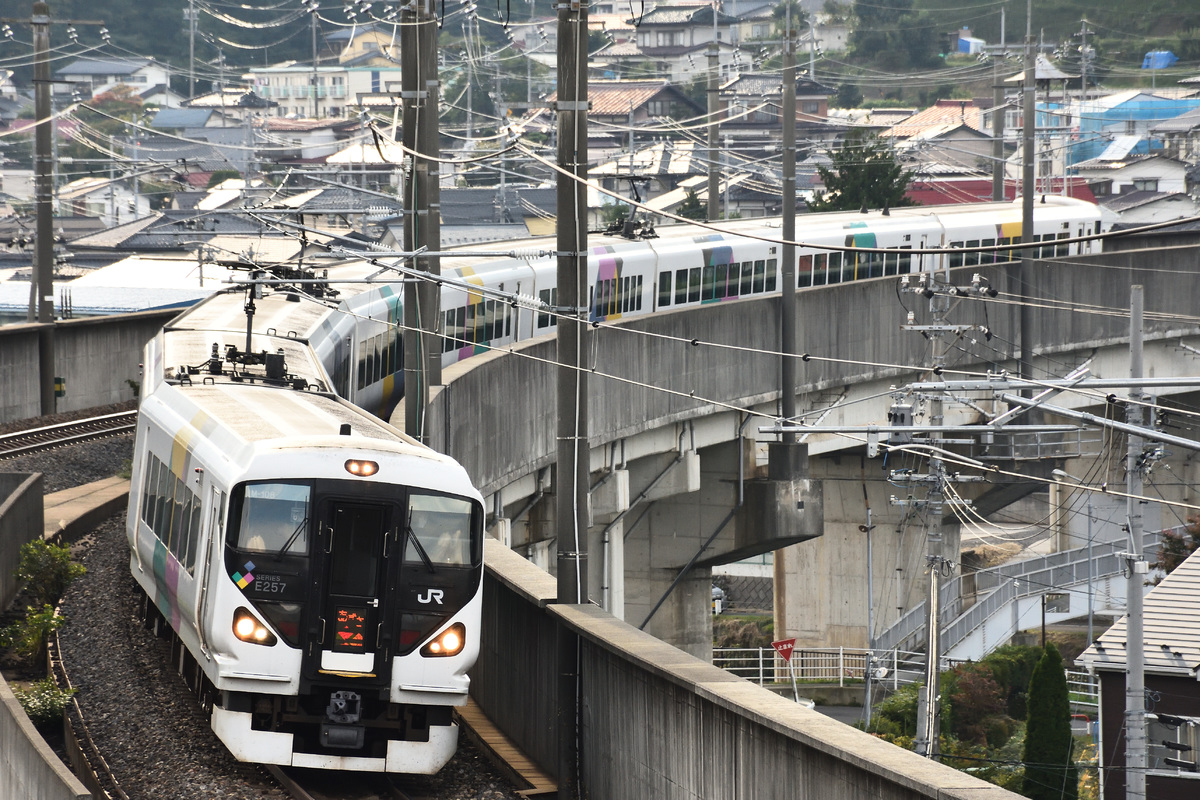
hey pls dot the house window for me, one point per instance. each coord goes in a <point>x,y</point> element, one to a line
<point>658,108</point>
<point>810,106</point>
<point>1145,185</point>
<point>1130,127</point>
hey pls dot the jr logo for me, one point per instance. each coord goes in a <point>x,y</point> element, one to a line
<point>431,596</point>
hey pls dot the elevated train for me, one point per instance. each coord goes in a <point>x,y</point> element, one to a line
<point>684,267</point>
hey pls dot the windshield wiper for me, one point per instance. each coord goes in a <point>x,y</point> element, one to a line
<point>412,537</point>
<point>293,537</point>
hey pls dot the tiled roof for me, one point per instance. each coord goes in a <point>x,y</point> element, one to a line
<point>1185,122</point>
<point>1170,627</point>
<point>684,15</point>
<point>661,158</point>
<point>758,84</point>
<point>1131,200</point>
<point>104,66</point>
<point>616,97</point>
<point>939,113</point>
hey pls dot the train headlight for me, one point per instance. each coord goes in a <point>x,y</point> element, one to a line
<point>362,469</point>
<point>447,643</point>
<point>247,628</point>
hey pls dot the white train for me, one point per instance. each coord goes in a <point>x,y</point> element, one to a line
<point>320,572</point>
<point>685,266</point>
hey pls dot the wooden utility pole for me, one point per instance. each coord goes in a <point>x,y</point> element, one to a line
<point>43,258</point>
<point>572,463</point>
<point>422,210</point>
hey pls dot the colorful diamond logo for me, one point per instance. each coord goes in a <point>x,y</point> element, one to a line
<point>244,578</point>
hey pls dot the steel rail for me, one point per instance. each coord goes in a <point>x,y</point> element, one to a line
<point>49,437</point>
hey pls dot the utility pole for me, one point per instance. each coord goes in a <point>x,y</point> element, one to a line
<point>421,203</point>
<point>43,257</point>
<point>572,460</point>
<point>998,112</point>
<point>714,88</point>
<point>1135,687</point>
<point>787,314</point>
<point>191,15</point>
<point>1029,124</point>
<point>313,15</point>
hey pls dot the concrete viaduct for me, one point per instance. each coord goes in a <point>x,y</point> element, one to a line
<point>678,470</point>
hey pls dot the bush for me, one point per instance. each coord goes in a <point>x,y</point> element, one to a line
<point>28,638</point>
<point>47,570</point>
<point>44,702</point>
<point>897,715</point>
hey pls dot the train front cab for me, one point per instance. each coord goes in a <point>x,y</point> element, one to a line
<point>378,586</point>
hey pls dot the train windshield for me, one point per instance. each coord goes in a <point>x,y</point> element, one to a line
<point>275,518</point>
<point>440,528</point>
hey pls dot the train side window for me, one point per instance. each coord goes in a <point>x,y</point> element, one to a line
<point>362,365</point>
<point>681,277</point>
<point>442,527</point>
<point>804,265</point>
<point>664,289</point>
<point>772,269</point>
<point>707,288</point>
<point>490,326</point>
<point>637,296</point>
<point>971,259</point>
<point>694,285</point>
<point>1063,249</point>
<point>274,518</point>
<point>193,538</point>
<point>734,280</point>
<point>148,490</point>
<point>722,279</point>
<point>508,318</point>
<point>820,267</point>
<point>834,273</point>
<point>175,533</point>
<point>543,318</point>
<point>956,259</point>
<point>760,276</point>
<point>904,262</point>
<point>162,503</point>
<point>469,325</point>
<point>747,278</point>
<point>987,257</point>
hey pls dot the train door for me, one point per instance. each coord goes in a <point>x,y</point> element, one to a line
<point>355,612</point>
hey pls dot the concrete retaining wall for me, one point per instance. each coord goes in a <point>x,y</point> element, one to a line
<point>96,356</point>
<point>29,769</point>
<point>660,723</point>
<point>21,521</point>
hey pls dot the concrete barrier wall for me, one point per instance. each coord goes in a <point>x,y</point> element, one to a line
<point>96,355</point>
<point>21,521</point>
<point>29,769</point>
<point>660,723</point>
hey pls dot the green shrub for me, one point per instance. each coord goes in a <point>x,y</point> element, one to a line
<point>47,570</point>
<point>44,702</point>
<point>28,637</point>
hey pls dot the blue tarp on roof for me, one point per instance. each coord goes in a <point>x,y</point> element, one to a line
<point>1159,59</point>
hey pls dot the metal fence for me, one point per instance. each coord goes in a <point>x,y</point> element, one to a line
<point>764,666</point>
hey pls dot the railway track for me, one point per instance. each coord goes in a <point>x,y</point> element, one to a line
<point>81,430</point>
<point>307,784</point>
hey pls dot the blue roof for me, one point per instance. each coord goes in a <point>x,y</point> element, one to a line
<point>103,66</point>
<point>181,118</point>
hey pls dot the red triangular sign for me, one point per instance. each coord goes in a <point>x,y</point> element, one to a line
<point>784,648</point>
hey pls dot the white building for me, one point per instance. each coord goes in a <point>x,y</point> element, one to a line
<point>291,85</point>
<point>93,76</point>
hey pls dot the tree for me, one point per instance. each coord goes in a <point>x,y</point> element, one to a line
<point>691,207</point>
<point>864,173</point>
<point>893,35</point>
<point>848,96</point>
<point>1174,548</point>
<point>1050,772</point>
<point>780,15</point>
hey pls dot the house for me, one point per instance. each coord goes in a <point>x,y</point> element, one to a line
<point>110,200</point>
<point>1146,207</point>
<point>751,106</point>
<point>280,140</point>
<point>1129,115</point>
<point>673,43</point>
<point>1133,173</point>
<point>658,168</point>
<point>327,91</point>
<point>948,132</point>
<point>1171,652</point>
<point>231,103</point>
<point>364,45</point>
<point>175,119</point>
<point>1180,136</point>
<point>92,76</point>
